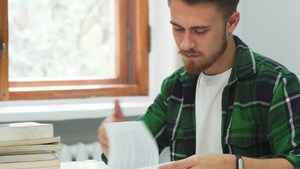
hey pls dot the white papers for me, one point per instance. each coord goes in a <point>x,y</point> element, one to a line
<point>131,145</point>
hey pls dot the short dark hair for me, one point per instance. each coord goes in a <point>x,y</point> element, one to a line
<point>227,7</point>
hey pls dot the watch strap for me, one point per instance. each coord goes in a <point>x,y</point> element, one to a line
<point>239,162</point>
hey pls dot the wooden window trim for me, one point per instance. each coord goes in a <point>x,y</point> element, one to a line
<point>134,30</point>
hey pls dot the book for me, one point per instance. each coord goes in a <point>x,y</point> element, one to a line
<point>28,145</point>
<point>30,142</point>
<point>29,149</point>
<point>46,164</point>
<point>25,131</point>
<point>27,157</point>
<point>131,145</point>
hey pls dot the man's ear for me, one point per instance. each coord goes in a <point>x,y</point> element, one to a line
<point>233,22</point>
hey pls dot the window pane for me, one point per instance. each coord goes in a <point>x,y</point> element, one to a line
<point>61,39</point>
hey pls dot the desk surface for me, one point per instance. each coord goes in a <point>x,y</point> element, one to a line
<point>94,165</point>
<point>83,165</point>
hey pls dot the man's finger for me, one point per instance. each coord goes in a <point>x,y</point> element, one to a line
<point>181,164</point>
<point>117,107</point>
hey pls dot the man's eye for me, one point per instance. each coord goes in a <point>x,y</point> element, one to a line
<point>178,29</point>
<point>200,32</point>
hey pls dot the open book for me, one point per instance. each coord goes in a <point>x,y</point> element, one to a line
<point>131,145</point>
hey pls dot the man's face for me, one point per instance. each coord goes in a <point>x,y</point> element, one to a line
<point>200,34</point>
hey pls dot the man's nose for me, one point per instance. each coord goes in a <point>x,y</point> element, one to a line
<point>187,41</point>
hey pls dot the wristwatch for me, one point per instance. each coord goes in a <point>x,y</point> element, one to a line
<point>239,162</point>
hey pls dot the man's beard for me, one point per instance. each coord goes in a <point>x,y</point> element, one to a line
<point>198,66</point>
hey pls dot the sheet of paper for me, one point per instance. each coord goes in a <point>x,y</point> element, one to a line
<point>131,145</point>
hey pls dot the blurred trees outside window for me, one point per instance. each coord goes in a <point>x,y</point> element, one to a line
<point>61,39</point>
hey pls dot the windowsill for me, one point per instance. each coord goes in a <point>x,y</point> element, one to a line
<point>55,110</point>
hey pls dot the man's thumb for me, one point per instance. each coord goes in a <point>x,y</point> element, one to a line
<point>118,113</point>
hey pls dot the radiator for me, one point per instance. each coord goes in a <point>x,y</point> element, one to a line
<point>80,152</point>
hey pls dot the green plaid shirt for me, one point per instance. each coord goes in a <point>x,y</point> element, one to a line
<point>260,110</point>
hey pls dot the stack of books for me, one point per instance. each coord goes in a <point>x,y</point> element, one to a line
<point>28,145</point>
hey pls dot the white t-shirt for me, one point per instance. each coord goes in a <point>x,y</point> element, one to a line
<point>209,112</point>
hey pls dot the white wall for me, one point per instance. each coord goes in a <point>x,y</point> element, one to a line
<point>269,27</point>
<point>272,28</point>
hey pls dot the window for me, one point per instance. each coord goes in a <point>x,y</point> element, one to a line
<point>124,70</point>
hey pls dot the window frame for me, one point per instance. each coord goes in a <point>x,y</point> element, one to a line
<point>132,48</point>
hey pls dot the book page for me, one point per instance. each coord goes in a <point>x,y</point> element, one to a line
<point>131,145</point>
<point>29,148</point>
<point>25,131</point>
<point>30,142</point>
<point>26,157</point>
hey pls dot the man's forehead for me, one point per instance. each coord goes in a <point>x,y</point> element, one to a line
<point>181,4</point>
<point>196,15</point>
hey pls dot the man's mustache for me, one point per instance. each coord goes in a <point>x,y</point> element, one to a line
<point>189,52</point>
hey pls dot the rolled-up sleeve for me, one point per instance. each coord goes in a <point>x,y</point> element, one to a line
<point>284,120</point>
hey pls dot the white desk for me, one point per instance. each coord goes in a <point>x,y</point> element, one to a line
<point>94,165</point>
<point>83,165</point>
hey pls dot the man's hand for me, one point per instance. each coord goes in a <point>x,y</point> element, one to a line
<point>227,161</point>
<point>204,161</point>
<point>117,116</point>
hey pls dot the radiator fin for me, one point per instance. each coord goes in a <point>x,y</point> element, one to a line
<point>80,152</point>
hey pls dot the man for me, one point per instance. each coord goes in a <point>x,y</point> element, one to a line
<point>226,102</point>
